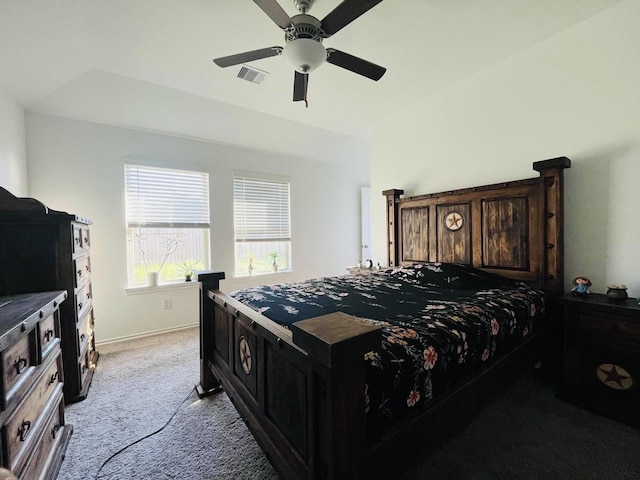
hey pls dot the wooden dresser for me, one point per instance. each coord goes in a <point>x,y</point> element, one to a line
<point>44,250</point>
<point>33,433</point>
<point>602,356</point>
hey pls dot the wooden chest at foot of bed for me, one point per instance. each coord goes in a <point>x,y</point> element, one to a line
<point>602,356</point>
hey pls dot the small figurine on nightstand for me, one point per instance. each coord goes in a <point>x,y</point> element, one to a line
<point>581,288</point>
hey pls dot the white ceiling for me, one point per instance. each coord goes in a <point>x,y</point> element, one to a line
<point>148,63</point>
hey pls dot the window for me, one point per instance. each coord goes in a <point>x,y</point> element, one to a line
<point>167,222</point>
<point>262,228</point>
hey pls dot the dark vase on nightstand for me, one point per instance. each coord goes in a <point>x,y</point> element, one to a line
<point>617,292</point>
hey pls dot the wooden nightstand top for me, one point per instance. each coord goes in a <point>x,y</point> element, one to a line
<point>600,300</point>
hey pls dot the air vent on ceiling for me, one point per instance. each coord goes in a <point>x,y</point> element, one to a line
<point>251,74</point>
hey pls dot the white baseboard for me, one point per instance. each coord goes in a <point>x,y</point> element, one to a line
<point>120,343</point>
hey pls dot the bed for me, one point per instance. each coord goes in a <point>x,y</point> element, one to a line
<point>302,364</point>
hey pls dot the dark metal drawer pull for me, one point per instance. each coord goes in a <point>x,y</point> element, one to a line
<point>23,431</point>
<point>48,335</point>
<point>20,365</point>
<point>54,377</point>
<point>54,431</point>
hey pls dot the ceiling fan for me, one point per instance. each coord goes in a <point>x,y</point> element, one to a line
<point>303,35</point>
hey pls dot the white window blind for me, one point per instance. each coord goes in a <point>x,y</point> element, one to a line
<point>167,216</point>
<point>161,197</point>
<point>261,209</point>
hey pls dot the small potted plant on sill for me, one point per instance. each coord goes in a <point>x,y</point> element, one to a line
<point>187,268</point>
<point>250,267</point>
<point>170,246</point>
<point>274,265</point>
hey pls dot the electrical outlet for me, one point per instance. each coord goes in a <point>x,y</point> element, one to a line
<point>167,303</point>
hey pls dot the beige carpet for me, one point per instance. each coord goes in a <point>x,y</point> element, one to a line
<point>135,391</point>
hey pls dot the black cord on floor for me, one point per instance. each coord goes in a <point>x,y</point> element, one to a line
<point>141,439</point>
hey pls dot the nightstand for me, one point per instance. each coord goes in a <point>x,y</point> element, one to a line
<point>602,356</point>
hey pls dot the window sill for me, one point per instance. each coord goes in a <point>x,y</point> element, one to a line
<point>163,287</point>
<point>262,279</point>
<point>283,273</point>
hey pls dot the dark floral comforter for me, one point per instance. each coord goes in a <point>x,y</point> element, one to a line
<point>439,322</point>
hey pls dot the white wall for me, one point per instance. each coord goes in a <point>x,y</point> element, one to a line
<point>574,95</point>
<point>13,160</point>
<point>77,167</point>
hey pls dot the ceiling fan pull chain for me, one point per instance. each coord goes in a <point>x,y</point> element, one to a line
<point>306,86</point>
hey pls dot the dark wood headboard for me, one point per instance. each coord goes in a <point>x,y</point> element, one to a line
<point>514,229</point>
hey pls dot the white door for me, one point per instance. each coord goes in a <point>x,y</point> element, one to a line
<point>365,229</point>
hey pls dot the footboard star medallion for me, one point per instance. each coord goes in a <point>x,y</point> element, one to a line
<point>245,355</point>
<point>614,376</point>
<point>453,221</point>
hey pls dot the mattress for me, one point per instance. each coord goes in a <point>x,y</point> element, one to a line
<point>440,323</point>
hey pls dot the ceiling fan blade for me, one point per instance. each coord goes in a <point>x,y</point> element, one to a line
<point>345,13</point>
<point>300,84</point>
<point>355,64</point>
<point>275,12</point>
<point>245,57</point>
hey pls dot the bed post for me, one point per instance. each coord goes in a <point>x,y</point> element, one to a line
<point>552,185</point>
<point>337,343</point>
<point>393,249</point>
<point>208,383</point>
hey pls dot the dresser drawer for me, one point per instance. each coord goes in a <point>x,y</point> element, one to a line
<point>54,430</point>
<point>22,429</point>
<point>604,327</point>
<point>49,335</point>
<point>84,367</point>
<point>81,239</point>
<point>18,365</point>
<point>83,298</point>
<point>82,269</point>
<point>85,332</point>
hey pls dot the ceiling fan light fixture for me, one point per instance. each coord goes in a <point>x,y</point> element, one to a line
<point>304,54</point>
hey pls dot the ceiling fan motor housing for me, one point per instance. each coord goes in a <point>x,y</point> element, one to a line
<point>304,26</point>
<point>304,50</point>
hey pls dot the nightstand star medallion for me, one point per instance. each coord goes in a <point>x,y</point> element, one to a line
<point>453,221</point>
<point>614,376</point>
<point>245,355</point>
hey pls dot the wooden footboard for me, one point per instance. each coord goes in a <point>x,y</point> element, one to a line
<point>300,392</point>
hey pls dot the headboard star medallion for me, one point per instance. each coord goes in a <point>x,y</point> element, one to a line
<point>453,221</point>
